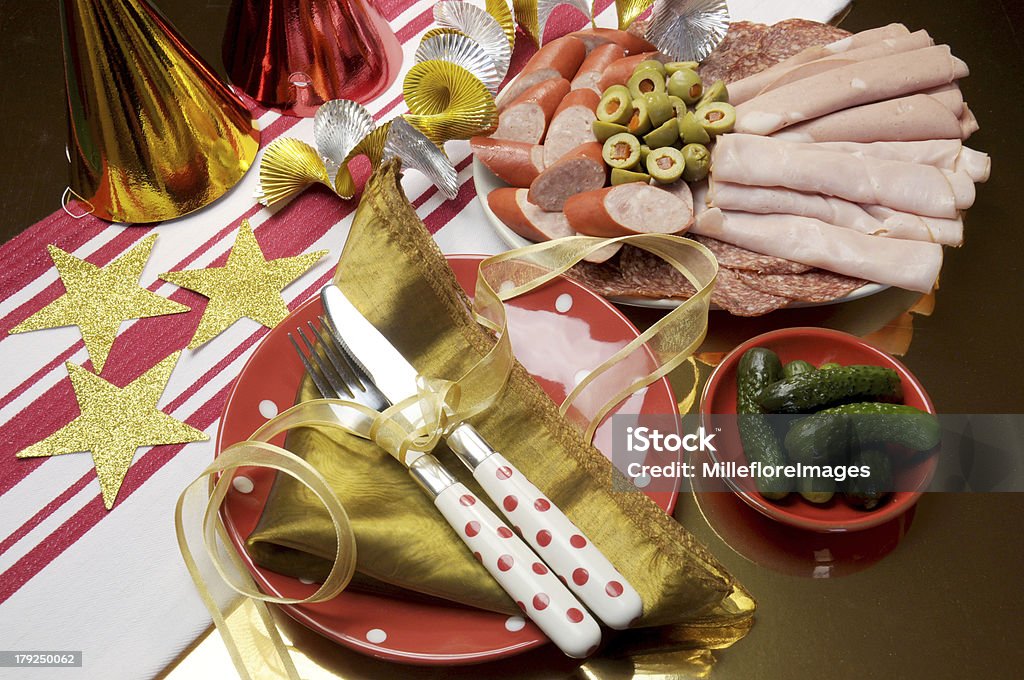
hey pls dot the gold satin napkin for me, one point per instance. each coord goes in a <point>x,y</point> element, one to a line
<point>394,273</point>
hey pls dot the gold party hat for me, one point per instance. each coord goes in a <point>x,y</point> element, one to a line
<point>152,132</point>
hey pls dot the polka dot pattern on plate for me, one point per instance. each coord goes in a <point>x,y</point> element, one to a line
<point>510,503</point>
<point>376,636</point>
<point>574,615</point>
<point>540,601</point>
<point>268,409</point>
<point>641,481</point>
<point>242,484</point>
<point>577,541</point>
<point>515,623</point>
<point>563,303</point>
<point>614,589</point>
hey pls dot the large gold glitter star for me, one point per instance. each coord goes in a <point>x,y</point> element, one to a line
<point>248,286</point>
<point>114,422</point>
<point>98,299</point>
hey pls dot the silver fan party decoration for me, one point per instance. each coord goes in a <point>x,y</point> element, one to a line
<point>687,30</point>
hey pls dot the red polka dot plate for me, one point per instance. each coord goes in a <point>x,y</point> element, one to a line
<point>558,332</point>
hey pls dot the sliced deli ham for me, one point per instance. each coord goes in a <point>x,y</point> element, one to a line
<point>740,92</point>
<point>776,200</point>
<point>857,83</point>
<point>914,118</point>
<point>571,125</point>
<point>947,231</point>
<point>626,209</point>
<point>913,265</point>
<point>559,58</point>
<point>910,187</point>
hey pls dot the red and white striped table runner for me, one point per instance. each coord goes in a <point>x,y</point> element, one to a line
<point>75,576</point>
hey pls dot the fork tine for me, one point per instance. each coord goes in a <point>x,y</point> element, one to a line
<point>338,362</point>
<point>322,385</point>
<point>343,354</point>
<point>331,376</point>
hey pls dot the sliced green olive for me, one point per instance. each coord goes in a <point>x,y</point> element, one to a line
<point>698,162</point>
<point>666,164</point>
<point>644,150</point>
<point>716,118</point>
<point>666,134</point>
<point>615,108</point>
<point>620,176</point>
<point>659,108</point>
<point>640,122</point>
<point>645,81</point>
<point>692,132</point>
<point>678,106</point>
<point>603,130</point>
<point>686,85</point>
<point>650,63</point>
<point>673,66</point>
<point>621,151</point>
<point>614,89</point>
<point>715,93</point>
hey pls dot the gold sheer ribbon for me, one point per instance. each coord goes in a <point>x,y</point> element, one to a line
<point>442,405</point>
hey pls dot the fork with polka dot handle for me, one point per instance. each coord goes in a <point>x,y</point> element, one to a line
<point>565,549</point>
<point>516,568</point>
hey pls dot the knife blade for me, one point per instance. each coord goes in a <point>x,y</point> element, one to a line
<point>553,536</point>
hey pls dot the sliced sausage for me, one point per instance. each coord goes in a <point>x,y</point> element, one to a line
<point>571,125</point>
<point>526,119</point>
<point>558,59</point>
<point>618,72</point>
<point>625,209</point>
<point>582,169</point>
<point>596,37</point>
<point>516,163</point>
<point>513,207</point>
<point>594,66</point>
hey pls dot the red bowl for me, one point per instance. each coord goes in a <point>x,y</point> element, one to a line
<point>818,346</point>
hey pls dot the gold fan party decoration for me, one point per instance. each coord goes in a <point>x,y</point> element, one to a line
<point>628,11</point>
<point>450,95</point>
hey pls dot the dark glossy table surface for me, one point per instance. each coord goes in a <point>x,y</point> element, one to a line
<point>939,595</point>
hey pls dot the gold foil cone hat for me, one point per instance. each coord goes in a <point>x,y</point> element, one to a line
<point>152,132</point>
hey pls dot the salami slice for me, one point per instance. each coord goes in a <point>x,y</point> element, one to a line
<point>735,257</point>
<point>816,285</point>
<point>786,38</point>
<point>739,299</point>
<point>742,39</point>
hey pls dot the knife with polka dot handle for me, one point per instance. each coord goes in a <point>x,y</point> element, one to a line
<point>569,553</point>
<point>512,563</point>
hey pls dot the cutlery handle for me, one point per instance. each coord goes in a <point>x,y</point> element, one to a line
<point>520,572</point>
<point>560,543</point>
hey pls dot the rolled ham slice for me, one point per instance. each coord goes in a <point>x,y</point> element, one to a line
<point>526,119</point>
<point>968,123</point>
<point>634,208</point>
<point>913,118</point>
<point>939,230</point>
<point>775,200</point>
<point>747,88</point>
<point>571,125</point>
<point>975,164</point>
<point>909,187</point>
<point>857,83</point>
<point>907,43</point>
<point>913,265</point>
<point>949,96</point>
<point>595,65</point>
<point>557,59</point>
<point>515,163</point>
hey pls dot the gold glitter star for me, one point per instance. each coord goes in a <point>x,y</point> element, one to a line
<point>98,299</point>
<point>248,286</point>
<point>114,422</point>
